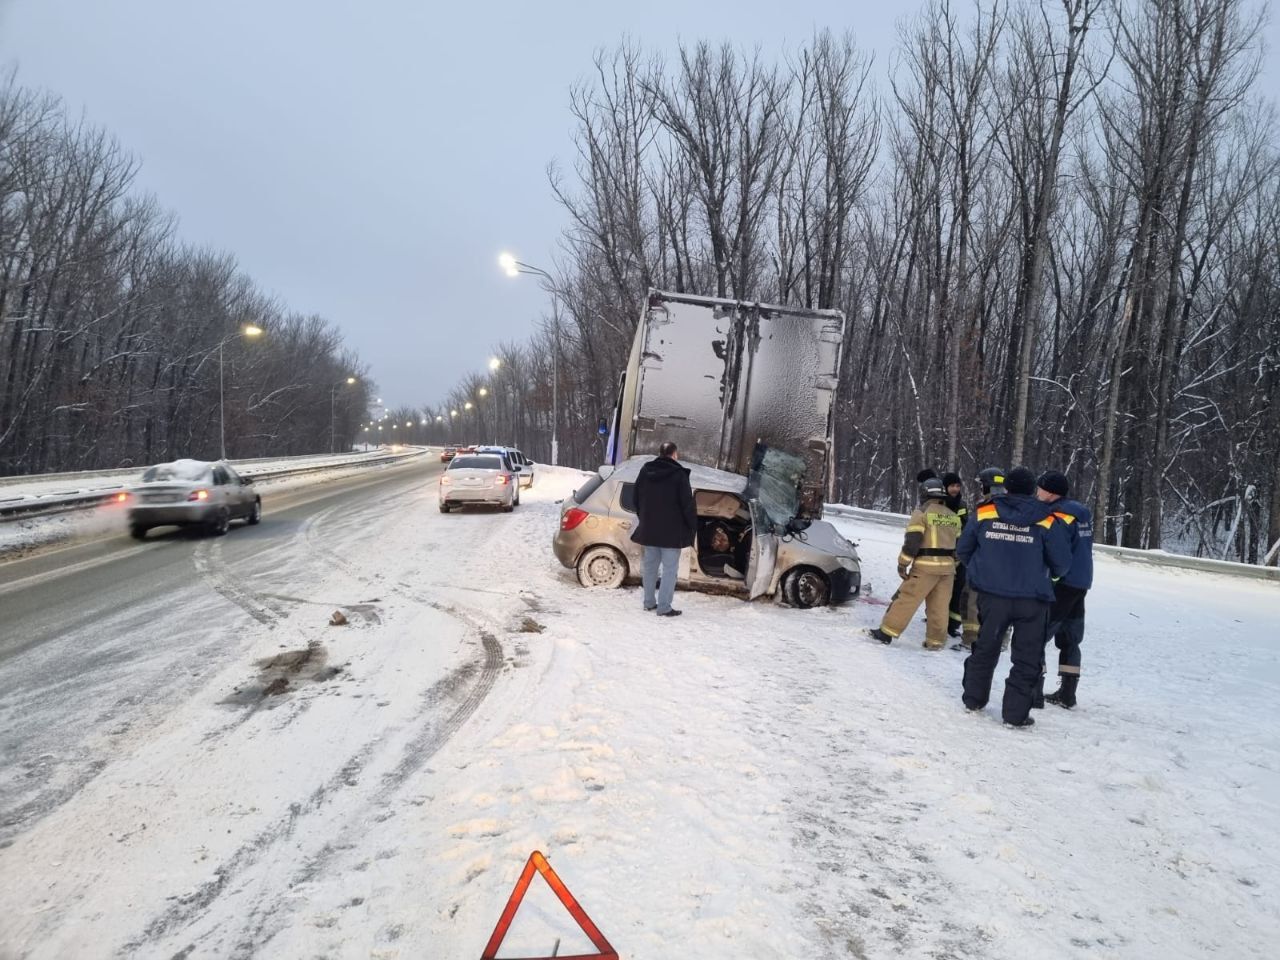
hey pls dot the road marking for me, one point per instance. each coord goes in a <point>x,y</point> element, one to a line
<point>14,585</point>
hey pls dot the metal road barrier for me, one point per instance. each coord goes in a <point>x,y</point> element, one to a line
<point>1151,558</point>
<point>20,506</point>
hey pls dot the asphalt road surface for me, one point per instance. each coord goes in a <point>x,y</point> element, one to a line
<point>100,640</point>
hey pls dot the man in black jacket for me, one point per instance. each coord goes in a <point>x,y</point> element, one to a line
<point>668,523</point>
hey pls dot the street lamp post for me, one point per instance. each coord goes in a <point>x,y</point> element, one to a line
<point>514,268</point>
<point>249,330</point>
<point>333,392</point>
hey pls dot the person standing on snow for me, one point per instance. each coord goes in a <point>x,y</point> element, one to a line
<point>1066,616</point>
<point>1014,550</point>
<point>668,523</point>
<point>955,501</point>
<point>927,566</point>
<point>990,484</point>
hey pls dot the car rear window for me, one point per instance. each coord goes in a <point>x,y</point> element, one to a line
<point>587,489</point>
<point>476,463</point>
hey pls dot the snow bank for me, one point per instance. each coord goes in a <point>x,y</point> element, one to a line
<point>743,781</point>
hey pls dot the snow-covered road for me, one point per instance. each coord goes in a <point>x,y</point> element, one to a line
<point>745,781</point>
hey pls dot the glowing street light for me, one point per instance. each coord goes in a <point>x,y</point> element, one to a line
<point>333,392</point>
<point>494,363</point>
<point>484,391</point>
<point>514,268</point>
<point>468,405</point>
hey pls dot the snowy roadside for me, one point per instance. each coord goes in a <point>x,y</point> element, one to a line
<point>22,535</point>
<point>745,781</point>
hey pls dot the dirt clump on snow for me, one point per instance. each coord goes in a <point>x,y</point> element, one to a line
<point>530,625</point>
<point>284,672</point>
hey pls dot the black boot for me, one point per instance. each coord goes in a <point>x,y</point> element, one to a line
<point>1065,695</point>
<point>878,634</point>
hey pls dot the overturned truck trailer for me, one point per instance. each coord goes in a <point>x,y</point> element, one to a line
<point>720,376</point>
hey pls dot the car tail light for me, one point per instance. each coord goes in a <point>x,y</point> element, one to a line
<point>572,518</point>
<point>121,497</point>
<point>198,495</point>
<point>445,481</point>
<point>503,479</point>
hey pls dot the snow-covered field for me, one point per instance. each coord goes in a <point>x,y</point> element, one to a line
<point>744,781</point>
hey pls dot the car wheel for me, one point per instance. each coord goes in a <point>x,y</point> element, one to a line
<point>806,588</point>
<point>602,566</point>
<point>508,507</point>
<point>255,514</point>
<point>138,532</point>
<point>445,508</point>
<point>220,523</point>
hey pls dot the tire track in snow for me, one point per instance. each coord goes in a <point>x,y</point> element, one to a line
<point>215,570</point>
<point>473,680</point>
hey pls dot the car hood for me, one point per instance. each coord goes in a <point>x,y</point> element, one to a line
<point>821,535</point>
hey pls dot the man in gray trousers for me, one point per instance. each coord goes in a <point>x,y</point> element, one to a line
<point>668,523</point>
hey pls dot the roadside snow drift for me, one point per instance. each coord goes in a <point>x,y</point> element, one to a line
<point>743,781</point>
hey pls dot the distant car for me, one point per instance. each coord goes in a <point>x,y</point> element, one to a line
<point>484,478</point>
<point>518,462</point>
<point>192,493</point>
<point>448,453</point>
<point>749,541</point>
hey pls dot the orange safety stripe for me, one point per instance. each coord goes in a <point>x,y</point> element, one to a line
<point>1047,522</point>
<point>988,511</point>
<point>1064,517</point>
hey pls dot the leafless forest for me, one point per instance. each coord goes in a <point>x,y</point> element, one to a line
<point>1054,227</point>
<point>113,335</point>
<point>1055,231</point>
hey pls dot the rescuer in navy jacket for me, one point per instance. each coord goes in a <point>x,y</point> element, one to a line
<point>1013,550</point>
<point>1066,616</point>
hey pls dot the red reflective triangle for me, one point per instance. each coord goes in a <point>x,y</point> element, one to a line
<point>538,862</point>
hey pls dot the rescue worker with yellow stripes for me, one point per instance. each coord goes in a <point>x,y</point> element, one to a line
<point>927,566</point>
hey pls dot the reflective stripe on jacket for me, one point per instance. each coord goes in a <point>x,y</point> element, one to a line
<point>930,543</point>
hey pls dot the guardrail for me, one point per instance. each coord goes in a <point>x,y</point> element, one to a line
<point>1151,558</point>
<point>27,507</point>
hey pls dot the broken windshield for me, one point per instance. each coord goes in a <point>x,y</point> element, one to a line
<point>775,482</point>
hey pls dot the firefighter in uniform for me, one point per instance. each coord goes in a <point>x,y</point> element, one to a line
<point>991,483</point>
<point>1014,550</point>
<point>1066,616</point>
<point>955,500</point>
<point>927,566</point>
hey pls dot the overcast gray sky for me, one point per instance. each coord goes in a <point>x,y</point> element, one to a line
<point>368,161</point>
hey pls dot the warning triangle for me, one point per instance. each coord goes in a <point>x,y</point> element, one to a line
<point>537,862</point>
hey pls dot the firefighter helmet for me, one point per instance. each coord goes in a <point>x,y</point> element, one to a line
<point>933,489</point>
<point>992,480</point>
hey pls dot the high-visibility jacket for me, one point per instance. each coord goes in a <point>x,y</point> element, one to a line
<point>930,543</point>
<point>1079,521</point>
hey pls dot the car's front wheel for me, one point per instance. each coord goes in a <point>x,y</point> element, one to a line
<point>445,508</point>
<point>602,566</point>
<point>255,514</point>
<point>138,531</point>
<point>806,587</point>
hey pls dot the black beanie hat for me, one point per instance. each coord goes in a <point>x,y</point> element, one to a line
<point>928,473</point>
<point>1020,480</point>
<point>1051,481</point>
<point>949,478</point>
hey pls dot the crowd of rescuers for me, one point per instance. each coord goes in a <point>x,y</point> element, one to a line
<point>1019,564</point>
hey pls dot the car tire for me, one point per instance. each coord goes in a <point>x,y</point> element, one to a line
<point>445,508</point>
<point>138,532</point>
<point>508,507</point>
<point>602,566</point>
<point>805,588</point>
<point>220,522</point>
<point>255,513</point>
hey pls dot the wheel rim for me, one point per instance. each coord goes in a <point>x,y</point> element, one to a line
<point>602,569</point>
<point>811,589</point>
